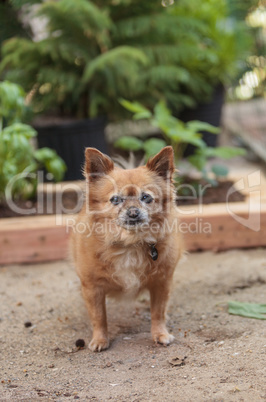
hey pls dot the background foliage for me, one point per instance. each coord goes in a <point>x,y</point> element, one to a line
<point>19,161</point>
<point>179,135</point>
<point>95,52</point>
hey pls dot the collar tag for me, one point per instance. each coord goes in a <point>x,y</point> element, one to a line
<point>154,252</point>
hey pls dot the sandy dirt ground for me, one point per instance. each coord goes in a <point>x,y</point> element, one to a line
<point>215,356</point>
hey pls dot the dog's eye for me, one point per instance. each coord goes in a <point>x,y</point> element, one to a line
<point>147,198</point>
<point>116,199</point>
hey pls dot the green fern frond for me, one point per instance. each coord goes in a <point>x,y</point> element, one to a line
<point>158,27</point>
<point>114,59</point>
<point>81,14</point>
<point>79,22</point>
<point>177,100</point>
<point>98,52</point>
<point>178,54</point>
<point>166,75</point>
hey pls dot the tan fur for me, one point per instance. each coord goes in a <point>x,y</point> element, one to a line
<point>113,258</point>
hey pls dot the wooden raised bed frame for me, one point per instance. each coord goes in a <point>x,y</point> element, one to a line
<point>206,227</point>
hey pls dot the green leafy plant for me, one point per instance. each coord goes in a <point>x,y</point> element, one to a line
<point>19,161</point>
<point>97,52</point>
<point>179,135</point>
<point>75,70</point>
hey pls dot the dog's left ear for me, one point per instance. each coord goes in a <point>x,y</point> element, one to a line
<point>163,163</point>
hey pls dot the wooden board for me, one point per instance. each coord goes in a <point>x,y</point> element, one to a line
<point>32,239</point>
<point>216,229</point>
<point>204,227</point>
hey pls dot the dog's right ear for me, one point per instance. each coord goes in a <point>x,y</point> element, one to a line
<point>97,164</point>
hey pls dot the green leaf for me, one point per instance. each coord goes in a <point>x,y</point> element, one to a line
<point>250,310</point>
<point>44,154</point>
<point>198,161</point>
<point>129,143</point>
<point>20,129</point>
<point>52,162</point>
<point>161,111</point>
<point>225,152</point>
<point>163,119</point>
<point>152,146</point>
<point>57,167</point>
<point>184,135</point>
<point>196,125</point>
<point>146,114</point>
<point>135,107</point>
<point>220,170</point>
<point>12,104</point>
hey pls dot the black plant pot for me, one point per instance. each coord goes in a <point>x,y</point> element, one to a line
<point>209,112</point>
<point>70,139</point>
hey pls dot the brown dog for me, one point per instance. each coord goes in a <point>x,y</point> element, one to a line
<point>126,238</point>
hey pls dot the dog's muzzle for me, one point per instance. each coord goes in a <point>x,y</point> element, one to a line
<point>133,216</point>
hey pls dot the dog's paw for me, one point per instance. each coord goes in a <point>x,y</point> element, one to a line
<point>164,338</point>
<point>98,344</point>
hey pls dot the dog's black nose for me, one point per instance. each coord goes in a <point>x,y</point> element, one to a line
<point>133,213</point>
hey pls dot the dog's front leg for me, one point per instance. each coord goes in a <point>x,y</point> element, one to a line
<point>95,302</point>
<point>159,294</point>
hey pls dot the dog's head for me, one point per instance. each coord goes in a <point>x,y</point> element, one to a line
<point>132,199</point>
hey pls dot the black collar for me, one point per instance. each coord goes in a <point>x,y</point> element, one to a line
<point>153,252</point>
